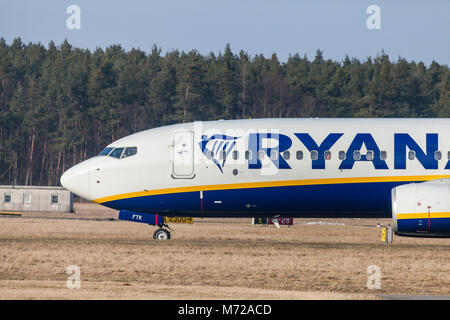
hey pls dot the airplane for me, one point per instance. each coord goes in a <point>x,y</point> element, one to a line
<point>315,168</point>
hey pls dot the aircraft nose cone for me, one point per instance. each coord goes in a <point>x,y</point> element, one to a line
<point>77,180</point>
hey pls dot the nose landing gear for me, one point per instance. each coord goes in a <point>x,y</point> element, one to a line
<point>161,233</point>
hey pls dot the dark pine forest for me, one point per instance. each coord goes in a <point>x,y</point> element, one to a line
<point>60,105</point>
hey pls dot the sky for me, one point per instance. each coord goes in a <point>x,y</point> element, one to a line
<point>415,30</point>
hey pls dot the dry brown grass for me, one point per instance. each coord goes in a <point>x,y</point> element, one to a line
<point>211,259</point>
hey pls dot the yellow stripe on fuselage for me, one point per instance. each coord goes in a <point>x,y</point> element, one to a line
<point>268,184</point>
<point>10,213</point>
<point>423,215</point>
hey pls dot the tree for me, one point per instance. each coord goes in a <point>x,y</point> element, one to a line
<point>60,104</point>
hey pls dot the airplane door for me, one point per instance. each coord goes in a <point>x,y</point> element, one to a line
<point>183,155</point>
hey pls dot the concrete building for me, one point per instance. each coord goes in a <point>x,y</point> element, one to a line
<point>33,198</point>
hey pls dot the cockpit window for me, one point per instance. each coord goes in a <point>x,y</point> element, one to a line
<point>116,153</point>
<point>129,151</point>
<point>119,152</point>
<point>105,152</point>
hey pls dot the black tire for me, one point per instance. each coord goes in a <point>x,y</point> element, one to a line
<point>161,234</point>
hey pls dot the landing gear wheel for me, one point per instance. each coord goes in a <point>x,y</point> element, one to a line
<point>161,234</point>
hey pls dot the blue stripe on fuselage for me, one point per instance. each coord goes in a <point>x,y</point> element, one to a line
<point>360,200</point>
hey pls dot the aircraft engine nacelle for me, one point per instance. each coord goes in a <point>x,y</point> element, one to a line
<point>421,209</point>
<point>148,218</point>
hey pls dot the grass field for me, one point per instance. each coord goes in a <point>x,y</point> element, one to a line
<point>212,259</point>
